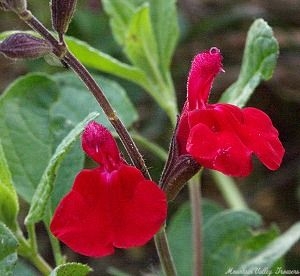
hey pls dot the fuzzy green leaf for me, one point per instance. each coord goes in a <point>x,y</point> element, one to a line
<point>45,187</point>
<point>25,127</point>
<point>179,234</point>
<point>163,19</point>
<point>120,13</point>
<point>229,238</point>
<point>273,252</point>
<point>71,269</point>
<point>78,107</point>
<point>98,60</point>
<point>259,61</point>
<point>36,113</point>
<point>9,205</point>
<point>8,249</point>
<point>166,30</point>
<point>95,59</point>
<point>140,44</point>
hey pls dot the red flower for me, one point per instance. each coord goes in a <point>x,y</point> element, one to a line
<point>110,206</point>
<point>223,136</point>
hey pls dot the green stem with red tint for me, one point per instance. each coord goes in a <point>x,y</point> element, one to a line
<point>196,210</point>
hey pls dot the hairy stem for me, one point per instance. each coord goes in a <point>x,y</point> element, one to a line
<point>165,257</point>
<point>195,199</point>
<point>124,135</point>
<point>58,257</point>
<point>55,245</point>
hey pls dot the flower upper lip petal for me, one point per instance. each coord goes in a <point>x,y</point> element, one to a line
<point>205,67</point>
<point>99,144</point>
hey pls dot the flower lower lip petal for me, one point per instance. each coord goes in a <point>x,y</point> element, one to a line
<point>109,206</point>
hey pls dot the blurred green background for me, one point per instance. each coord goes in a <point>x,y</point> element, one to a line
<point>203,24</point>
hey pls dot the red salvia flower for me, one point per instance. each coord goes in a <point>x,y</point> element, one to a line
<point>110,206</point>
<point>223,136</point>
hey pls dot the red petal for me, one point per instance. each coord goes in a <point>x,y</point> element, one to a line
<point>140,208</point>
<point>257,119</point>
<point>205,67</point>
<point>262,138</point>
<point>104,210</point>
<point>229,130</point>
<point>221,151</point>
<point>83,220</point>
<point>99,144</point>
<point>218,117</point>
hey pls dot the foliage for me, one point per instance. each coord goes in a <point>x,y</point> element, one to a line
<point>42,115</point>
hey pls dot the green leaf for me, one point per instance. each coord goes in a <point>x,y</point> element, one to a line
<point>9,205</point>
<point>166,30</point>
<point>5,176</point>
<point>23,268</point>
<point>8,248</point>
<point>98,60</point>
<point>163,19</point>
<point>45,187</point>
<point>30,131</point>
<point>229,238</point>
<point>36,113</point>
<point>259,61</point>
<point>71,269</point>
<point>142,29</point>
<point>25,127</point>
<point>95,59</point>
<point>273,252</point>
<point>78,107</point>
<point>116,272</point>
<point>179,234</point>
<point>8,208</point>
<point>140,44</point>
<point>120,13</point>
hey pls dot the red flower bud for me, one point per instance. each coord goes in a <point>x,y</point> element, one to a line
<point>21,46</point>
<point>62,13</point>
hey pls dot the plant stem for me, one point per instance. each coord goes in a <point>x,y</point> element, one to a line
<point>60,50</point>
<point>58,258</point>
<point>26,251</point>
<point>32,237</point>
<point>124,135</point>
<point>196,209</point>
<point>55,245</point>
<point>165,257</point>
<point>229,190</point>
<point>35,24</point>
